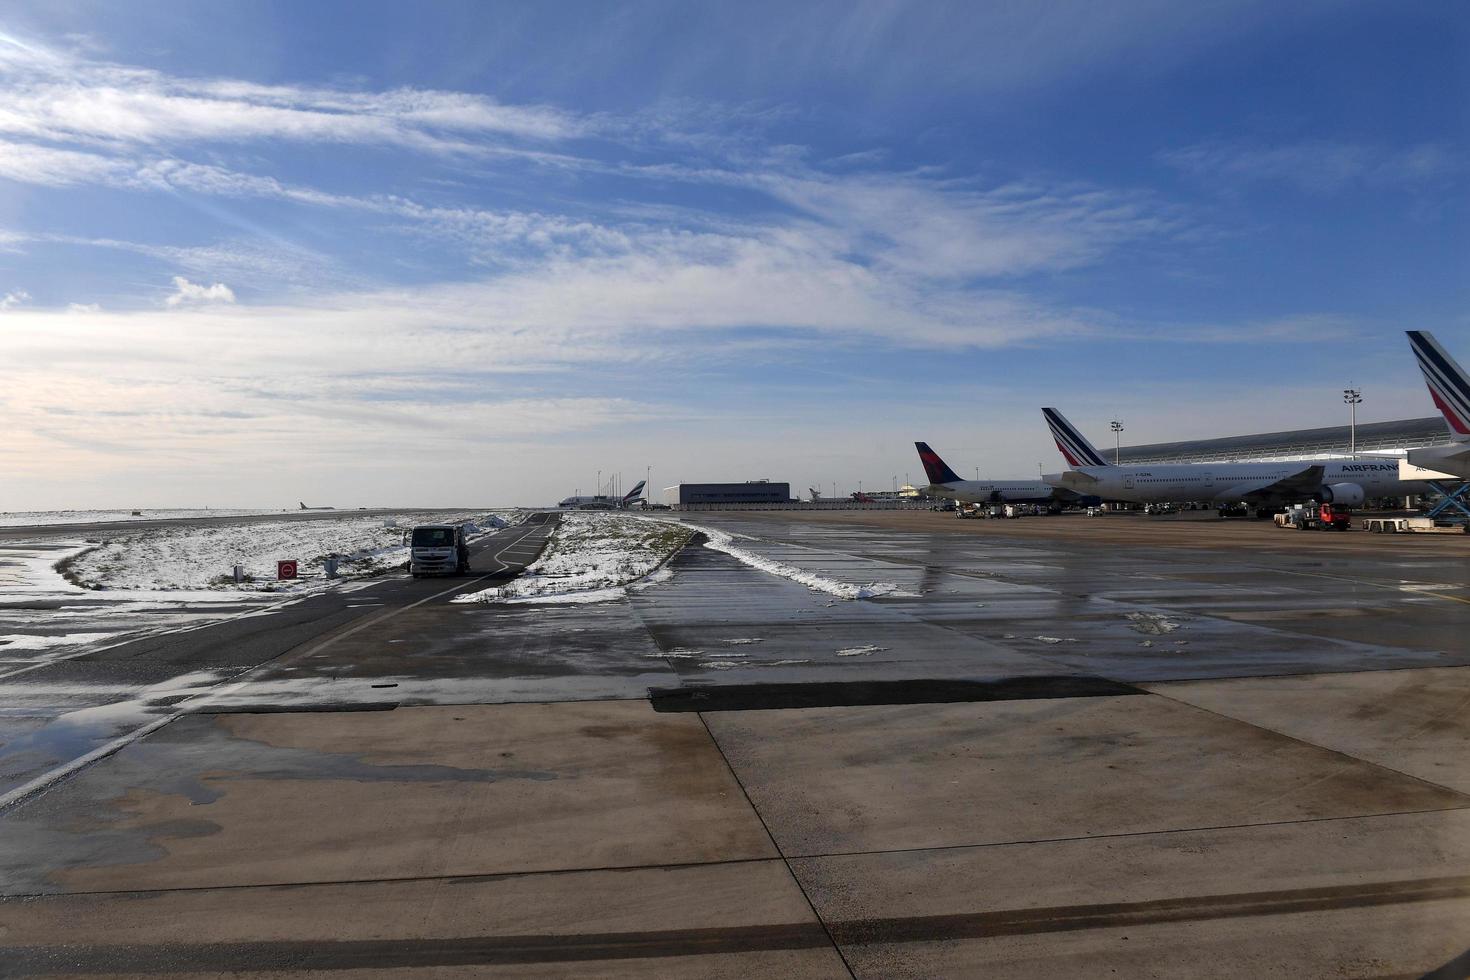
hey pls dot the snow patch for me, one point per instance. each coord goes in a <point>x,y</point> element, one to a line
<point>1151,624</point>
<point>723,541</point>
<point>593,557</point>
<point>863,651</point>
<point>25,641</point>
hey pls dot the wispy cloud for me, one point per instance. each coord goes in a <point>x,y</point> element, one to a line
<point>1318,166</point>
<point>51,95</point>
<point>13,298</point>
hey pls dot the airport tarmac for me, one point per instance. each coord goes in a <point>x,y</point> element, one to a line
<point>1055,747</point>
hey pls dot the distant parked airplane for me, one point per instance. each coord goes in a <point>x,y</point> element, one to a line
<point>945,482</point>
<point>604,502</point>
<point>304,507</point>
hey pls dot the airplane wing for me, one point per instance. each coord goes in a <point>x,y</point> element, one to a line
<point>1077,476</point>
<point>1303,483</point>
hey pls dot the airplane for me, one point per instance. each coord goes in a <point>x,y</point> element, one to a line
<point>604,502</point>
<point>1266,486</point>
<point>945,482</point>
<point>304,507</point>
<point>1449,387</point>
<point>815,493</point>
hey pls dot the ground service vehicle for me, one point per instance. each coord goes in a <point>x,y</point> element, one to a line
<point>438,549</point>
<point>1312,517</point>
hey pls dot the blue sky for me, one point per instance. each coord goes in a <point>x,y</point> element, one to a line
<point>255,252</point>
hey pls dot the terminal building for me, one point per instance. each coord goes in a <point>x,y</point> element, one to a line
<point>1372,438</point>
<point>754,492</point>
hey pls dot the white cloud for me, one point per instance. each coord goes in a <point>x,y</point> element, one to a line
<point>48,166</point>
<point>14,298</point>
<point>1317,166</point>
<point>52,96</point>
<point>83,308</point>
<point>189,292</point>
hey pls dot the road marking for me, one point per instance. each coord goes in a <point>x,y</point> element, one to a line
<point>1423,588</point>
<point>191,627</point>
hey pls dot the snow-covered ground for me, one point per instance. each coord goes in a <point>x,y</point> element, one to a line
<point>141,582</point>
<point>41,518</point>
<point>592,557</point>
<point>199,556</point>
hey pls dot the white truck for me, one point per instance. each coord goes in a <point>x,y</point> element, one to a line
<point>438,549</point>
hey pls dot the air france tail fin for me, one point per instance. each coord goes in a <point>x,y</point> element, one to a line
<point>1074,446</point>
<point>1449,385</point>
<point>633,494</point>
<point>935,468</point>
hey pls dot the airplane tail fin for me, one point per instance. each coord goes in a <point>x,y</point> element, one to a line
<point>633,494</point>
<point>1074,446</point>
<point>935,468</point>
<point>1449,385</point>
<point>302,503</point>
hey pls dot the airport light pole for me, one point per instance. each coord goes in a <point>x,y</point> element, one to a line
<point>1117,428</point>
<point>1353,397</point>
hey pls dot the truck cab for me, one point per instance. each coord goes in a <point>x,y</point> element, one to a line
<point>438,549</point>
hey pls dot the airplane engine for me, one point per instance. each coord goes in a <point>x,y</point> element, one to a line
<point>1343,494</point>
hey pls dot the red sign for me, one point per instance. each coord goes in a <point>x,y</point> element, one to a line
<point>285,570</point>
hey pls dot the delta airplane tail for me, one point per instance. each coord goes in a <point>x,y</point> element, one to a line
<point>1449,385</point>
<point>935,468</point>
<point>633,494</point>
<point>1076,448</point>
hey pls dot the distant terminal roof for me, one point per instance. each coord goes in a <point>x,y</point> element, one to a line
<point>1373,437</point>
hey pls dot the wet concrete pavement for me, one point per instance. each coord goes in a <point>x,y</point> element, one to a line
<point>55,710</point>
<point>1054,748</point>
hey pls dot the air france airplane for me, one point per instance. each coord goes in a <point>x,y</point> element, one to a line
<point>1265,486</point>
<point>945,482</point>
<point>1449,386</point>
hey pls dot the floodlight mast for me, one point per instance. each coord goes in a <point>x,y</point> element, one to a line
<point>1353,397</point>
<point>1117,428</point>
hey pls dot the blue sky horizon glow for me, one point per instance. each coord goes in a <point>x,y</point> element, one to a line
<point>442,254</point>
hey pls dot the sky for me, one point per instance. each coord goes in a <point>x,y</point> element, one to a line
<point>365,254</point>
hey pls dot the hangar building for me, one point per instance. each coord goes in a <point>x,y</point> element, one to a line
<point>1379,438</point>
<point>754,492</point>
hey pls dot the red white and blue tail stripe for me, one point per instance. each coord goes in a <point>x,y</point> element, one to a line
<point>1449,385</point>
<point>1076,448</point>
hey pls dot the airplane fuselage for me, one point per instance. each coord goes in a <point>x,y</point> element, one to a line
<point>995,491</point>
<point>1227,482</point>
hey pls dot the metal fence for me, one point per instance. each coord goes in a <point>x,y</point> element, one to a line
<point>815,505</point>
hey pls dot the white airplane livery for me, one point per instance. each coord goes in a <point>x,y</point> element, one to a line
<point>1449,386</point>
<point>945,482</point>
<point>1347,482</point>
